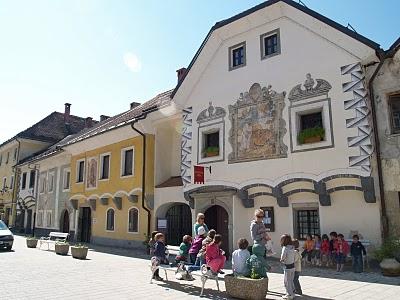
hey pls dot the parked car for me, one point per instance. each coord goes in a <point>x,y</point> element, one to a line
<point>6,237</point>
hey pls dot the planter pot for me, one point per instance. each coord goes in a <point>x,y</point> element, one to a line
<point>211,154</point>
<point>390,267</point>
<point>246,288</point>
<point>79,252</point>
<point>312,139</point>
<point>62,249</point>
<point>31,243</point>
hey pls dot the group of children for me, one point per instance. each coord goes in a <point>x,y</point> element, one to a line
<point>333,250</point>
<point>205,249</point>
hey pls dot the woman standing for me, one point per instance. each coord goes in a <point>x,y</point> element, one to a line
<point>199,223</point>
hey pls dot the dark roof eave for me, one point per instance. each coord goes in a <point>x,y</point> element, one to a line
<point>300,7</point>
<point>393,48</point>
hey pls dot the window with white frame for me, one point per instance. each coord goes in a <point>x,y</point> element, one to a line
<point>15,154</point>
<point>104,166</point>
<point>133,220</point>
<point>42,183</point>
<point>270,44</point>
<point>50,182</point>
<point>48,218</point>
<point>66,179</point>
<point>7,157</point>
<point>394,106</point>
<point>237,56</point>
<point>4,183</point>
<point>80,171</point>
<point>110,220</point>
<point>311,125</point>
<point>12,182</point>
<point>211,143</point>
<point>23,183</point>
<point>127,161</point>
<point>32,178</point>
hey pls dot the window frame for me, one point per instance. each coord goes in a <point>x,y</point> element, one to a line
<point>12,182</point>
<point>78,169</point>
<point>262,43</point>
<point>32,179</point>
<point>202,131</point>
<point>230,54</point>
<point>42,183</point>
<point>15,154</point>
<point>309,207</point>
<point>123,155</point>
<point>4,183</point>
<point>52,175</point>
<point>39,217</point>
<point>101,166</point>
<point>106,223</point>
<point>138,220</point>
<point>65,171</point>
<point>24,180</point>
<point>48,213</point>
<point>7,157</point>
<point>396,95</point>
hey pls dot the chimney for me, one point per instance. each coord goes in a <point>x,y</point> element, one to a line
<point>134,104</point>
<point>103,118</point>
<point>67,112</point>
<point>181,73</point>
<point>88,122</point>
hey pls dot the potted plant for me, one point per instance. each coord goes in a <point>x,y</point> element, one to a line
<point>62,248</point>
<point>253,288</point>
<point>387,254</point>
<point>211,151</point>
<point>31,242</point>
<point>79,251</point>
<point>311,135</point>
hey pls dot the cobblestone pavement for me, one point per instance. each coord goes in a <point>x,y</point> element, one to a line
<point>116,274</point>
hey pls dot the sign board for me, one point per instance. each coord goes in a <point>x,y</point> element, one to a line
<point>161,223</point>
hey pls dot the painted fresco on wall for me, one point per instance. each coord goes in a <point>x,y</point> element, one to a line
<point>257,126</point>
<point>91,180</point>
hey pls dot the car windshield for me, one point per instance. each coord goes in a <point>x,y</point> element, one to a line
<point>2,225</point>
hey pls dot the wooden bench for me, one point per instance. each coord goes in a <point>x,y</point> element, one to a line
<point>53,238</point>
<point>366,244</point>
<point>203,273</point>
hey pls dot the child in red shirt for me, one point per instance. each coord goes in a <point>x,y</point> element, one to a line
<point>325,253</point>
<point>342,249</point>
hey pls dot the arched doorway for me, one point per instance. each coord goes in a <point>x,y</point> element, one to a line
<point>65,222</point>
<point>217,218</point>
<point>179,223</point>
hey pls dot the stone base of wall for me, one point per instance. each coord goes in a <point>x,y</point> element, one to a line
<point>129,244</point>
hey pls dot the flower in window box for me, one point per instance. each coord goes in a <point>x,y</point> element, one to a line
<point>211,151</point>
<point>311,135</point>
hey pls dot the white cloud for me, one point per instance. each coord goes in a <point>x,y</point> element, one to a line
<point>132,62</point>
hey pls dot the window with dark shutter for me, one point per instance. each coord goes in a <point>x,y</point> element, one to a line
<point>23,184</point>
<point>128,163</point>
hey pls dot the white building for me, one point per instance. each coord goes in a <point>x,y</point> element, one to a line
<point>247,104</point>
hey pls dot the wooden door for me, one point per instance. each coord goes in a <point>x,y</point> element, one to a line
<point>28,227</point>
<point>217,218</point>
<point>65,222</point>
<point>85,225</point>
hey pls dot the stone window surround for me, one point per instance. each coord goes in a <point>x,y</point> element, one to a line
<point>323,105</point>
<point>47,214</point>
<point>101,166</point>
<point>209,128</point>
<point>77,171</point>
<point>24,179</point>
<point>65,171</point>
<point>138,220</point>
<point>230,58</point>
<point>389,107</point>
<point>42,182</point>
<point>123,150</point>
<point>262,44</point>
<point>106,223</point>
<point>304,206</point>
<point>51,173</point>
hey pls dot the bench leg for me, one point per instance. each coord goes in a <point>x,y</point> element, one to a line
<point>216,280</point>
<point>203,282</point>
<point>166,276</point>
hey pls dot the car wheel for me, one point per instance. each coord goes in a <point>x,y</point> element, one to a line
<point>9,248</point>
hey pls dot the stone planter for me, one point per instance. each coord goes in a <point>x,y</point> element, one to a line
<point>390,267</point>
<point>79,252</point>
<point>246,288</point>
<point>62,249</point>
<point>31,243</point>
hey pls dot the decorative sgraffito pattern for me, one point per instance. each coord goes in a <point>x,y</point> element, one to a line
<point>186,146</point>
<point>359,104</point>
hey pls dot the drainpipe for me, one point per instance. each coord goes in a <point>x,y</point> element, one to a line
<point>142,117</point>
<point>382,58</point>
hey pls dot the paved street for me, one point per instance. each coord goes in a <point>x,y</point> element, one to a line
<point>35,274</point>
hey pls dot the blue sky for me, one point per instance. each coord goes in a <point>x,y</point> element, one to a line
<point>101,55</point>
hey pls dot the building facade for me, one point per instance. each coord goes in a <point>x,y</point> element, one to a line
<point>386,91</point>
<point>276,126</point>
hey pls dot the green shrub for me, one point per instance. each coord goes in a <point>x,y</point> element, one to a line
<point>311,132</point>
<point>212,149</point>
<point>389,249</point>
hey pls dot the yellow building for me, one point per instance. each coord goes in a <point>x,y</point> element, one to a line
<point>108,176</point>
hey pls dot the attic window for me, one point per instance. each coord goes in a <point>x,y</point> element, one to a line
<point>237,56</point>
<point>270,44</point>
